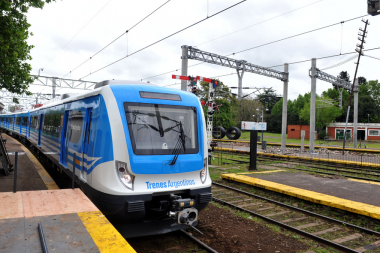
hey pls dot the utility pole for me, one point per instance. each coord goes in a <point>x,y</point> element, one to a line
<point>53,88</point>
<point>312,103</point>
<point>184,67</point>
<point>240,72</point>
<point>359,49</point>
<point>284,109</point>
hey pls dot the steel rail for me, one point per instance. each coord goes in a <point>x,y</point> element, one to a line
<point>300,209</point>
<point>333,244</point>
<point>208,248</point>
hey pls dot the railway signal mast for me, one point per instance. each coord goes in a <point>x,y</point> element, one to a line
<point>211,105</point>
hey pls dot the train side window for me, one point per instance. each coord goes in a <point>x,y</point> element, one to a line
<point>35,122</point>
<point>18,120</point>
<point>76,125</point>
<point>24,121</point>
<point>11,120</point>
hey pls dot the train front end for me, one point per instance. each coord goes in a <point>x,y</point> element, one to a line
<point>162,164</point>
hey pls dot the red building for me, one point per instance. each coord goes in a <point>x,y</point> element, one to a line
<point>294,131</point>
<point>366,131</point>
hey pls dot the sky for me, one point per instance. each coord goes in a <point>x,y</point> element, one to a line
<point>66,33</point>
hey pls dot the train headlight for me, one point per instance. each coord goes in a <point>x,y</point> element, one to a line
<point>204,171</point>
<point>124,176</point>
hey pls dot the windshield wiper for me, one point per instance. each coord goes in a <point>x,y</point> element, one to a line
<point>180,144</point>
<point>158,115</point>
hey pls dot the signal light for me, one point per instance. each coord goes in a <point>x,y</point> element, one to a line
<point>194,90</point>
<point>203,103</point>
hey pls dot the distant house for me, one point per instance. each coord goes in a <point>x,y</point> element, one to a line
<point>366,131</point>
<point>294,131</point>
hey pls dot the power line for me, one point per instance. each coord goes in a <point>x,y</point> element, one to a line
<point>371,56</point>
<point>77,33</point>
<point>158,41</point>
<point>341,63</point>
<point>325,57</point>
<point>126,32</point>
<point>260,22</point>
<point>266,44</point>
<point>296,35</point>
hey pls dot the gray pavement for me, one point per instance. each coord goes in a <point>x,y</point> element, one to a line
<point>342,188</point>
<point>28,178</point>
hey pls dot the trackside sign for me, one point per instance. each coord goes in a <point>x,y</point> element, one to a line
<point>247,125</point>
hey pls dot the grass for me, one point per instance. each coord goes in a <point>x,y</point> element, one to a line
<point>274,137</point>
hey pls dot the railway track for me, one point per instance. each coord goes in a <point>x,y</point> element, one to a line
<point>329,231</point>
<point>178,241</point>
<point>337,169</point>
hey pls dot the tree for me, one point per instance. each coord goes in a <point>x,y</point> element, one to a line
<point>14,49</point>
<point>223,116</point>
<point>268,99</point>
<point>324,114</point>
<point>245,109</point>
<point>374,89</point>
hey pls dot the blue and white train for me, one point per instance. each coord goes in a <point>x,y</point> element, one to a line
<point>141,152</point>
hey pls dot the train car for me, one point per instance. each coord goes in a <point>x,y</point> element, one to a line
<point>140,152</point>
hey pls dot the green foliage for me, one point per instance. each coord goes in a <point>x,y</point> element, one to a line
<point>268,99</point>
<point>15,100</point>
<point>14,49</point>
<point>374,89</point>
<point>324,114</point>
<point>223,117</point>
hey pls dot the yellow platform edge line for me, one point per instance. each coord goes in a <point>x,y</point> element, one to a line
<point>105,236</point>
<point>316,197</point>
<point>259,172</point>
<point>305,158</point>
<point>46,178</point>
<point>363,181</point>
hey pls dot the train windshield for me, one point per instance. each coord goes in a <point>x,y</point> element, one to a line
<point>156,129</point>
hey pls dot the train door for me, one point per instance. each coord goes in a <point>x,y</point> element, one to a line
<point>86,151</point>
<point>63,156</point>
<point>40,129</point>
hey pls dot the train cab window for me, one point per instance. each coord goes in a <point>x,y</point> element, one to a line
<point>24,121</point>
<point>155,129</point>
<point>35,122</point>
<point>18,121</point>
<point>75,127</point>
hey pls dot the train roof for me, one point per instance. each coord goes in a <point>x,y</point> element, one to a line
<point>68,97</point>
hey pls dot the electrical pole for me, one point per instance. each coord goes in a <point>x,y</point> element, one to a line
<point>359,49</point>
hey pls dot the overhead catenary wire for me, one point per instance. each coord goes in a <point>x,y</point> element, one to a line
<point>126,32</point>
<point>266,44</point>
<point>158,41</point>
<point>371,56</point>
<point>261,22</point>
<point>76,34</point>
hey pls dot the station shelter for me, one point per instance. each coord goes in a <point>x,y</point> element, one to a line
<point>366,131</point>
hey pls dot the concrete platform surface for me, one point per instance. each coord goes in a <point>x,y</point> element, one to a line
<point>354,196</point>
<point>70,221</point>
<point>31,175</point>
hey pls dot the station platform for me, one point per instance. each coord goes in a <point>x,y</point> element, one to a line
<point>30,173</point>
<point>367,150</point>
<point>357,196</point>
<point>70,221</point>
<point>353,160</point>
